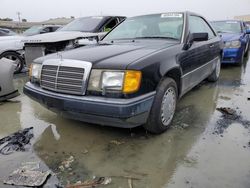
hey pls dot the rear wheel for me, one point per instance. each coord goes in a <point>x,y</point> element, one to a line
<point>216,72</point>
<point>16,58</point>
<point>163,109</point>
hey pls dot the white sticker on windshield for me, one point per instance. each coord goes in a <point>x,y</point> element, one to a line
<point>232,22</point>
<point>171,15</point>
<point>97,17</point>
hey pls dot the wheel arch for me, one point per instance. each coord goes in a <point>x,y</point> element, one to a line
<point>175,73</point>
<point>12,51</point>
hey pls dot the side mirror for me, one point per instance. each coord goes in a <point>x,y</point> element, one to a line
<point>195,37</point>
<point>248,31</point>
<point>198,37</point>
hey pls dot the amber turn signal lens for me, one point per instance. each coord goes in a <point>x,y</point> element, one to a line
<point>132,81</point>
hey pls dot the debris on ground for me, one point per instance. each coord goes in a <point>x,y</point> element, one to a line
<point>116,142</point>
<point>16,141</point>
<point>28,175</point>
<point>85,151</point>
<point>91,183</point>
<point>66,163</point>
<point>229,116</point>
<point>228,111</point>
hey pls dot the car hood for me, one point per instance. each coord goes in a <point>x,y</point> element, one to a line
<point>58,36</point>
<point>112,56</point>
<point>230,36</point>
<point>11,38</point>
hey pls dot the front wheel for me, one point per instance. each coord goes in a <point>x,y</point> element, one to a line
<point>216,72</point>
<point>163,109</point>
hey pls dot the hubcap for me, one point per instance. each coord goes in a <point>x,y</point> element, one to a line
<point>168,106</point>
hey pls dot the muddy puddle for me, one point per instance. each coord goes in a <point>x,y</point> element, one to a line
<point>202,149</point>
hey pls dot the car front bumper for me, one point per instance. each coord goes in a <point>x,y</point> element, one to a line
<point>125,113</point>
<point>232,55</point>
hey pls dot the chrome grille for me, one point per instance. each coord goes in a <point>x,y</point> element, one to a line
<point>63,79</point>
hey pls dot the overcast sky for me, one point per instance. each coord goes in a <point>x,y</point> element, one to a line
<point>39,10</point>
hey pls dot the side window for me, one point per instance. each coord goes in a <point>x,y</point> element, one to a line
<point>54,28</point>
<point>110,25</point>
<point>46,30</point>
<point>199,25</point>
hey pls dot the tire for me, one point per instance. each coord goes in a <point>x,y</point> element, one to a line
<point>247,50</point>
<point>163,108</point>
<point>241,60</point>
<point>18,60</point>
<point>216,72</point>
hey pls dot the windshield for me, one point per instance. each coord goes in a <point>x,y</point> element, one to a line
<point>168,25</point>
<point>33,30</point>
<point>87,24</point>
<point>227,26</point>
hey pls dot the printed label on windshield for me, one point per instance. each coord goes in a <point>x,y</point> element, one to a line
<point>171,15</point>
<point>232,22</point>
<point>97,17</point>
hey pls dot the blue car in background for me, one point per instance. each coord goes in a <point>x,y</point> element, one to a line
<point>236,40</point>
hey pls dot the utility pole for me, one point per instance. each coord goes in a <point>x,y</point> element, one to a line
<point>19,16</point>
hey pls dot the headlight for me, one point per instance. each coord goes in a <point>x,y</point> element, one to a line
<point>233,44</point>
<point>35,72</point>
<point>114,81</point>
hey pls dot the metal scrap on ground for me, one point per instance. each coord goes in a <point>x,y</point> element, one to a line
<point>28,175</point>
<point>16,141</point>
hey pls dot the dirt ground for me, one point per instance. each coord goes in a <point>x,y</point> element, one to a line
<point>204,148</point>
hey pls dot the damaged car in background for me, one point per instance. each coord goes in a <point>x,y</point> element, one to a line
<point>81,31</point>
<point>12,45</point>
<point>134,76</point>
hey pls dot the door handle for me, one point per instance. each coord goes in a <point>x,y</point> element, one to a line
<point>211,46</point>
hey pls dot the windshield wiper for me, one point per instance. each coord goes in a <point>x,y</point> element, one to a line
<point>156,37</point>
